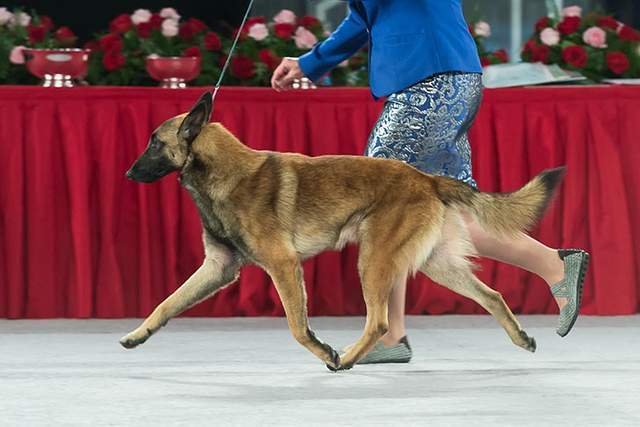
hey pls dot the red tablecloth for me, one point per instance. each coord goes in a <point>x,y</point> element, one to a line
<point>79,240</point>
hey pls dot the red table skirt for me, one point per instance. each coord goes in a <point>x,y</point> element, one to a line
<point>77,239</point>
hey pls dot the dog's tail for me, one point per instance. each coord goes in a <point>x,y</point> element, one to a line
<point>503,213</point>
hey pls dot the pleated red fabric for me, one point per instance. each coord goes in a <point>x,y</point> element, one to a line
<point>79,240</point>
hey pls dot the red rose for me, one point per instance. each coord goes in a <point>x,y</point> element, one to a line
<point>629,34</point>
<point>243,67</point>
<point>270,59</point>
<point>501,55</point>
<point>110,43</point>
<point>46,22</point>
<point>121,24</point>
<point>569,25</point>
<point>618,62</point>
<point>543,23</point>
<point>186,31</point>
<point>284,30</point>
<point>575,56</point>
<point>608,22</point>
<point>212,41</point>
<point>541,53</point>
<point>484,61</point>
<point>529,46</point>
<point>113,60</point>
<point>192,51</point>
<point>197,25</point>
<point>254,20</point>
<point>36,33</point>
<point>65,36</point>
<point>537,53</point>
<point>156,21</point>
<point>309,22</point>
<point>144,30</point>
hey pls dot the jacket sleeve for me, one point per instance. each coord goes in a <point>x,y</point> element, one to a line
<point>350,36</point>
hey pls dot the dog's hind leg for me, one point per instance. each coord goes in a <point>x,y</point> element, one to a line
<point>379,271</point>
<point>287,277</point>
<point>393,243</point>
<point>219,269</point>
<point>467,284</point>
<point>448,266</point>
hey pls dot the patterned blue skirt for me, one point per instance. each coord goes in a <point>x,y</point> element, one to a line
<point>426,125</point>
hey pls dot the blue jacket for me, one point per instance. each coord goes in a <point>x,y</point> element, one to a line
<point>409,40</point>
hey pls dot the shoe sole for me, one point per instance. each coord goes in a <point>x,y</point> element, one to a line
<point>381,361</point>
<point>584,265</point>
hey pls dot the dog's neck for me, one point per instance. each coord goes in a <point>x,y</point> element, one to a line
<point>217,163</point>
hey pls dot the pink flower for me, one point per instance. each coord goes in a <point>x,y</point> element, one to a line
<point>285,16</point>
<point>21,19</point>
<point>17,55</point>
<point>596,37</point>
<point>140,16</point>
<point>344,63</point>
<point>170,28</point>
<point>482,29</point>
<point>170,13</point>
<point>5,16</point>
<point>258,31</point>
<point>550,37</point>
<point>304,38</point>
<point>572,11</point>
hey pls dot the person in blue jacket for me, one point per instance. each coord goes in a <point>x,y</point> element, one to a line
<point>424,60</point>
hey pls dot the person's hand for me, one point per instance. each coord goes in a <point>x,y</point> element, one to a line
<point>284,75</point>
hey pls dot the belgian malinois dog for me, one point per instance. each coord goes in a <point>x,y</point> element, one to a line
<point>274,210</point>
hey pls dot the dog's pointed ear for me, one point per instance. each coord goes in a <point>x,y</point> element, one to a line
<point>196,119</point>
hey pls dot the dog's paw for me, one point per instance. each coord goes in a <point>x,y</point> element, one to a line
<point>134,339</point>
<point>334,365</point>
<point>345,367</point>
<point>528,343</point>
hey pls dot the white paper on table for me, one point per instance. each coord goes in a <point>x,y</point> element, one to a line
<point>526,74</point>
<point>622,81</point>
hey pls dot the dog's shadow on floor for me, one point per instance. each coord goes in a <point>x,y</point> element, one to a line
<point>361,381</point>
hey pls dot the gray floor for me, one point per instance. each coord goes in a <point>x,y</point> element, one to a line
<point>211,372</point>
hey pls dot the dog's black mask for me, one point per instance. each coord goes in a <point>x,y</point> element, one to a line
<point>153,164</point>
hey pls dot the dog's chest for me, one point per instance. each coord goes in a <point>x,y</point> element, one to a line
<point>210,216</point>
<point>217,221</point>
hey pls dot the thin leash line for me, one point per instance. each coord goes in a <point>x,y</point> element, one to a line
<point>233,47</point>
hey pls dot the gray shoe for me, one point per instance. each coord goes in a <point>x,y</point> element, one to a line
<point>576,262</point>
<point>399,353</point>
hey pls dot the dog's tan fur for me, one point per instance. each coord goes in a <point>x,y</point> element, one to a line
<point>274,210</point>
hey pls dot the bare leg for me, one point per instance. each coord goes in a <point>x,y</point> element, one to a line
<point>522,251</point>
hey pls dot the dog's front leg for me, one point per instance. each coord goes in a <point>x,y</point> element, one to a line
<point>213,275</point>
<point>287,277</point>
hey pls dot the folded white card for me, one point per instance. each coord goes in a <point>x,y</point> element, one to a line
<point>526,74</point>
